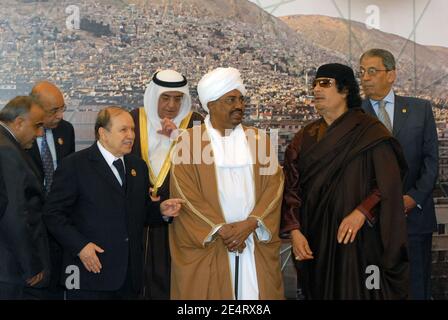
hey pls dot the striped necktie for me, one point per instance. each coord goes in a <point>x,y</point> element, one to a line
<point>47,163</point>
<point>383,116</point>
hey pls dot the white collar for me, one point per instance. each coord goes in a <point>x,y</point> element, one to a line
<point>107,155</point>
<point>389,98</point>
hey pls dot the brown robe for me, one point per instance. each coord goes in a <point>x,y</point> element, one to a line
<point>201,270</point>
<point>329,171</point>
<point>156,247</point>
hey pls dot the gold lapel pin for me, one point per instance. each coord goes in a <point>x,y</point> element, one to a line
<point>60,141</point>
<point>404,110</point>
<point>133,173</point>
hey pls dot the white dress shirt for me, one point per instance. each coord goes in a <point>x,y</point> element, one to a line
<point>390,105</point>
<point>110,158</point>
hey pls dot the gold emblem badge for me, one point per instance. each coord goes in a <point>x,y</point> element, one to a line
<point>133,173</point>
<point>60,141</point>
<point>404,110</point>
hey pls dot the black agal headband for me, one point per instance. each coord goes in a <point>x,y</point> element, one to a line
<point>167,84</point>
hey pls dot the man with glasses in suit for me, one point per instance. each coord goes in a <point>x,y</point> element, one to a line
<point>411,122</point>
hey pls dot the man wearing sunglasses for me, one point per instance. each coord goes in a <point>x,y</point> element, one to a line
<point>331,166</point>
<point>411,122</point>
<point>47,152</point>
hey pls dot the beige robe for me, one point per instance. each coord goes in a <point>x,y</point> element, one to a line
<point>200,269</point>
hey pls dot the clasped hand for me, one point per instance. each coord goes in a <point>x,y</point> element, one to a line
<point>235,234</point>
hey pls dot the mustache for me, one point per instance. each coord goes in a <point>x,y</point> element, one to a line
<point>236,110</point>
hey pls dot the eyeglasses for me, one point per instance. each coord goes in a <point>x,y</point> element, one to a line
<point>323,83</point>
<point>53,111</point>
<point>370,71</point>
<point>232,100</point>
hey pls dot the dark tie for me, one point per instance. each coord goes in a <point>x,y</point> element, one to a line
<point>120,167</point>
<point>47,162</point>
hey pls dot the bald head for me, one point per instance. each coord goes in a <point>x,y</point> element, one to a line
<point>52,100</point>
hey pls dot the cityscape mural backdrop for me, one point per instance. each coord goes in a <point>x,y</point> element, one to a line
<point>104,52</point>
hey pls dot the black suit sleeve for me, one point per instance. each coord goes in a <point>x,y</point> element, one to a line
<point>153,215</point>
<point>430,160</point>
<point>17,225</point>
<point>59,207</point>
<point>3,195</point>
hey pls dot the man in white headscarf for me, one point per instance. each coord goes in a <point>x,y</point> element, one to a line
<point>167,107</point>
<point>225,244</point>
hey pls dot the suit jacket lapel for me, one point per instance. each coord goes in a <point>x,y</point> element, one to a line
<point>129,177</point>
<point>128,190</point>
<point>367,106</point>
<point>103,169</point>
<point>32,165</point>
<point>35,154</point>
<point>57,138</point>
<point>400,114</point>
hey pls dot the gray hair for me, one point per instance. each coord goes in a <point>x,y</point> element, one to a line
<point>18,106</point>
<point>103,119</point>
<point>387,57</point>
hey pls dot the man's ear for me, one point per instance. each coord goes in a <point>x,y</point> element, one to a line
<point>18,122</point>
<point>211,105</point>
<point>101,132</point>
<point>392,76</point>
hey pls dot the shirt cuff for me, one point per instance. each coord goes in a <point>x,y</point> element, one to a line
<point>369,217</point>
<point>212,234</point>
<point>262,232</point>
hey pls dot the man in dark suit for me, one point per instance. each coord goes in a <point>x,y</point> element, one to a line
<point>3,197</point>
<point>411,121</point>
<point>23,246</point>
<point>59,134</point>
<point>97,208</point>
<point>47,152</point>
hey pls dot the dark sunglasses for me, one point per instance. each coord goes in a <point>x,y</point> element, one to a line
<point>323,83</point>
